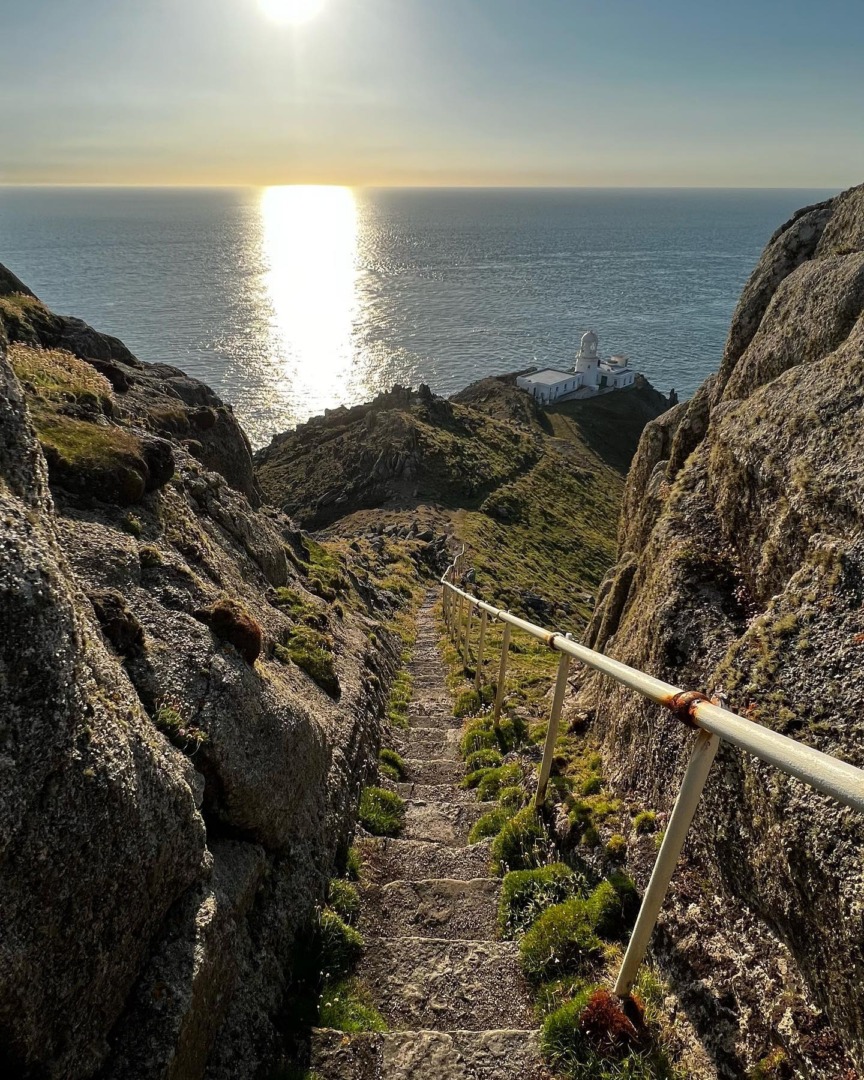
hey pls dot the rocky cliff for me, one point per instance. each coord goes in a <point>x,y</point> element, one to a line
<point>741,569</point>
<point>176,786</point>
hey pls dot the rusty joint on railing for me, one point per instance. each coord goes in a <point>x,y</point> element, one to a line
<point>683,706</point>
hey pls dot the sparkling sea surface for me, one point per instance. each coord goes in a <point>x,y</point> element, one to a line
<point>290,300</point>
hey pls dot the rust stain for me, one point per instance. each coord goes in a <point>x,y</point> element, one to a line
<point>682,706</point>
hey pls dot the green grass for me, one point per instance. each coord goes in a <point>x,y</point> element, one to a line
<point>382,812</point>
<point>562,941</point>
<point>480,733</point>
<point>522,844</point>
<point>483,759</point>
<point>344,899</point>
<point>400,697</point>
<point>606,1047</point>
<point>347,1006</point>
<point>493,780</point>
<point>353,864</point>
<point>645,822</point>
<point>311,651</point>
<point>489,824</point>
<point>513,797</point>
<point>340,945</point>
<point>525,894</point>
<point>391,765</point>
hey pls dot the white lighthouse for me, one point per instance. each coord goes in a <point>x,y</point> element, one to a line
<point>587,361</point>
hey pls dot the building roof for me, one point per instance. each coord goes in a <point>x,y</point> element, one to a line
<point>549,376</point>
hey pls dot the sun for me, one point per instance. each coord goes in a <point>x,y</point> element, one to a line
<point>291,11</point>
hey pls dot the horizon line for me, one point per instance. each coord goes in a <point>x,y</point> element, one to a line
<point>427,187</point>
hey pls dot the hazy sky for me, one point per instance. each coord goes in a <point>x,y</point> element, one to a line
<point>515,92</point>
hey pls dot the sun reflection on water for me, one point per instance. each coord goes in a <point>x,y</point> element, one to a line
<point>309,240</point>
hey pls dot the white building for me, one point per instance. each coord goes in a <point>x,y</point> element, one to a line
<point>548,385</point>
<point>597,374</point>
<point>591,375</point>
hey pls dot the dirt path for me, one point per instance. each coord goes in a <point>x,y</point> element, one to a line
<point>450,991</point>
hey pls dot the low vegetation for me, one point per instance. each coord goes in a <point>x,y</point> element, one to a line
<point>312,651</point>
<point>391,765</point>
<point>382,812</point>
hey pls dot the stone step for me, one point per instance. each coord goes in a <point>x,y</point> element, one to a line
<point>433,714</point>
<point>444,985</point>
<point>437,908</point>
<point>441,793</point>
<point>442,822</point>
<point>428,742</point>
<point>408,860</point>
<point>434,770</point>
<point>427,1055</point>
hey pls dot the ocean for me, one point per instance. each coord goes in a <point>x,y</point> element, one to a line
<point>291,300</point>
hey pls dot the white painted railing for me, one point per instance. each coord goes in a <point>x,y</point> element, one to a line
<point>710,721</point>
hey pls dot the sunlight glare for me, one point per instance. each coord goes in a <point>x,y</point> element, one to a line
<point>294,12</point>
<point>309,239</point>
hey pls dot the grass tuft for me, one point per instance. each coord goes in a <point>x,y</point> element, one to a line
<point>381,812</point>
<point>522,844</point>
<point>526,894</point>
<point>347,1006</point>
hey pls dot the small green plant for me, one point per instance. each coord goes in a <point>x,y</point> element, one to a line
<point>400,696</point>
<point>590,837</point>
<point>169,719</point>
<point>381,812</point>
<point>775,1066</point>
<point>478,735</point>
<point>489,825</point>
<point>483,759</point>
<point>149,556</point>
<point>513,797</point>
<point>522,844</point>
<point>525,894</point>
<point>311,650</point>
<point>562,941</point>
<point>340,945</point>
<point>391,765</point>
<point>131,523</point>
<point>645,822</point>
<point>466,704</point>
<point>344,899</point>
<point>616,848</point>
<point>353,864</point>
<point>347,1006</point>
<point>591,785</point>
<point>606,907</point>
<point>493,780</point>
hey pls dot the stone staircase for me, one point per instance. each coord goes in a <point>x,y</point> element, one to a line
<point>451,993</point>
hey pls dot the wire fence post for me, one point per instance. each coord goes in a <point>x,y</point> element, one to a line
<point>478,674</point>
<point>676,833</point>
<point>466,645</point>
<point>552,732</point>
<point>502,673</point>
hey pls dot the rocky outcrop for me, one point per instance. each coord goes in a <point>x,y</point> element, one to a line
<point>175,786</point>
<point>157,398</point>
<point>741,570</point>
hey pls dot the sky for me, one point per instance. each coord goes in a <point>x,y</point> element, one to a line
<point>761,93</point>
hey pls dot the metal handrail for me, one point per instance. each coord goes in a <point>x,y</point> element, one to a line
<point>711,721</point>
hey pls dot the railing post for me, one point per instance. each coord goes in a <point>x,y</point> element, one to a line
<point>676,833</point>
<point>457,635</point>
<point>502,672</point>
<point>478,674</point>
<point>466,645</point>
<point>552,732</point>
